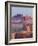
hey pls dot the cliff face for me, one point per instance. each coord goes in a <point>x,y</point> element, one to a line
<point>27,19</point>
<point>22,25</point>
<point>19,22</point>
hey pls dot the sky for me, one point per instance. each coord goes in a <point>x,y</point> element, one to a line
<point>21,10</point>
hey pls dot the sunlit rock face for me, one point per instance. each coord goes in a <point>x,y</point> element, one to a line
<point>27,20</point>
